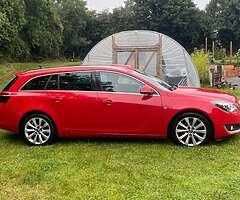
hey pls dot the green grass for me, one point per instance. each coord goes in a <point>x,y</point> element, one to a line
<point>118,169</point>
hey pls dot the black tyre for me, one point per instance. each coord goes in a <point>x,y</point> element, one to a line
<point>191,129</point>
<point>38,129</point>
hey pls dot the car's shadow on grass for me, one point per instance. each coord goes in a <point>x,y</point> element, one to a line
<point>18,140</point>
<point>234,139</point>
<point>12,138</point>
<point>117,140</point>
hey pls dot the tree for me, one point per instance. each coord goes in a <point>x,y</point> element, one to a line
<point>12,19</point>
<point>225,21</point>
<point>43,29</point>
<point>74,18</point>
<point>180,20</point>
<point>108,23</point>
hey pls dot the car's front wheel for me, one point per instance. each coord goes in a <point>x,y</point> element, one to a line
<point>38,129</point>
<point>191,129</point>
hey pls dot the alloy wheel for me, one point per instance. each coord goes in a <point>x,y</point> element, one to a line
<point>37,131</point>
<point>191,131</point>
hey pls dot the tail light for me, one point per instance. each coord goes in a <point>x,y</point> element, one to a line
<point>4,97</point>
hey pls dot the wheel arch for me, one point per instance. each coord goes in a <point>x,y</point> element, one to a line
<point>29,113</point>
<point>170,124</point>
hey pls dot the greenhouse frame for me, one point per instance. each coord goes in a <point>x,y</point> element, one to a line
<point>149,51</point>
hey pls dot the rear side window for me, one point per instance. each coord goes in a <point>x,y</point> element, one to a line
<point>9,85</point>
<point>38,83</point>
<point>53,83</point>
<point>78,81</point>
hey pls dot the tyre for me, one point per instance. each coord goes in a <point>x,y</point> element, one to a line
<point>38,129</point>
<point>191,129</point>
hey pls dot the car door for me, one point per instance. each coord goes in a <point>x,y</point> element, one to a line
<point>75,103</point>
<point>123,109</point>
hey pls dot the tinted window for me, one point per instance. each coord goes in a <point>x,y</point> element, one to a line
<point>80,81</point>
<point>10,84</point>
<point>115,82</point>
<point>38,83</point>
<point>52,83</point>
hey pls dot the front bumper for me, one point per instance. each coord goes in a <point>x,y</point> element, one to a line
<point>232,128</point>
<point>225,123</point>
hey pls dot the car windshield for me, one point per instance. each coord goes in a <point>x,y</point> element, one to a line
<point>155,81</point>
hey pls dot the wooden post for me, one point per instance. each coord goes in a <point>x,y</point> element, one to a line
<point>137,58</point>
<point>73,56</point>
<point>231,52</point>
<point>159,57</point>
<point>213,49</point>
<point>206,45</point>
<point>114,52</point>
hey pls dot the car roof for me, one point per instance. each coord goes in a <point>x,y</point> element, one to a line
<point>119,68</point>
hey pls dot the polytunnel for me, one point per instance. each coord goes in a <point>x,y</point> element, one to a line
<point>149,51</point>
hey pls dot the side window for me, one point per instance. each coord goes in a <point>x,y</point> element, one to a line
<point>38,83</point>
<point>52,83</point>
<point>80,81</point>
<point>115,82</point>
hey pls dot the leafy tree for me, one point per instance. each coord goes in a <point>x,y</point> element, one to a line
<point>43,29</point>
<point>107,23</point>
<point>74,18</point>
<point>12,18</point>
<point>94,30</point>
<point>225,21</point>
<point>180,20</point>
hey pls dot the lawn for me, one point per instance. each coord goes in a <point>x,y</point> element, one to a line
<point>118,168</point>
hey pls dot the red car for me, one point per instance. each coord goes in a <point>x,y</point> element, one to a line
<point>113,101</point>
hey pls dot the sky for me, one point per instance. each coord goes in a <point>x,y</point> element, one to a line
<point>100,5</point>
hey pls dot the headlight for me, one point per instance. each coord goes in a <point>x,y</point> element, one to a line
<point>229,107</point>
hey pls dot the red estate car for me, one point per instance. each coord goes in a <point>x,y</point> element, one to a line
<point>113,101</point>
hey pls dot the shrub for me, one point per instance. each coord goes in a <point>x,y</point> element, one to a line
<point>201,60</point>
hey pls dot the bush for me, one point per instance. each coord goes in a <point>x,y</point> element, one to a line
<point>201,60</point>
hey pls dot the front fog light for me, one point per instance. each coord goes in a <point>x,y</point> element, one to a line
<point>232,127</point>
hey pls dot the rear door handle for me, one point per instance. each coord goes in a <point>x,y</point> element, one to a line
<point>107,102</point>
<point>57,99</point>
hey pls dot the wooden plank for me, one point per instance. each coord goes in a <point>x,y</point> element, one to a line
<point>213,49</point>
<point>206,45</point>
<point>114,50</point>
<point>159,58</point>
<point>133,49</point>
<point>148,62</point>
<point>138,47</point>
<point>129,58</point>
<point>231,52</point>
<point>137,59</point>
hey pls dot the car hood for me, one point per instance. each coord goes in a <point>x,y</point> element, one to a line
<point>208,94</point>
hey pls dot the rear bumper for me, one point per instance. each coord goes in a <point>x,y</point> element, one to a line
<point>8,119</point>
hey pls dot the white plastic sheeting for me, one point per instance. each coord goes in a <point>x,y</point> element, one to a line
<point>175,64</point>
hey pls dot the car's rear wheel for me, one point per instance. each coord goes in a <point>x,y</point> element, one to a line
<point>38,129</point>
<point>191,129</point>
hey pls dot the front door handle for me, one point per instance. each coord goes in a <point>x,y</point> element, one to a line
<point>107,102</point>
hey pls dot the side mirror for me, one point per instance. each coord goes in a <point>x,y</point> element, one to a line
<point>146,90</point>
